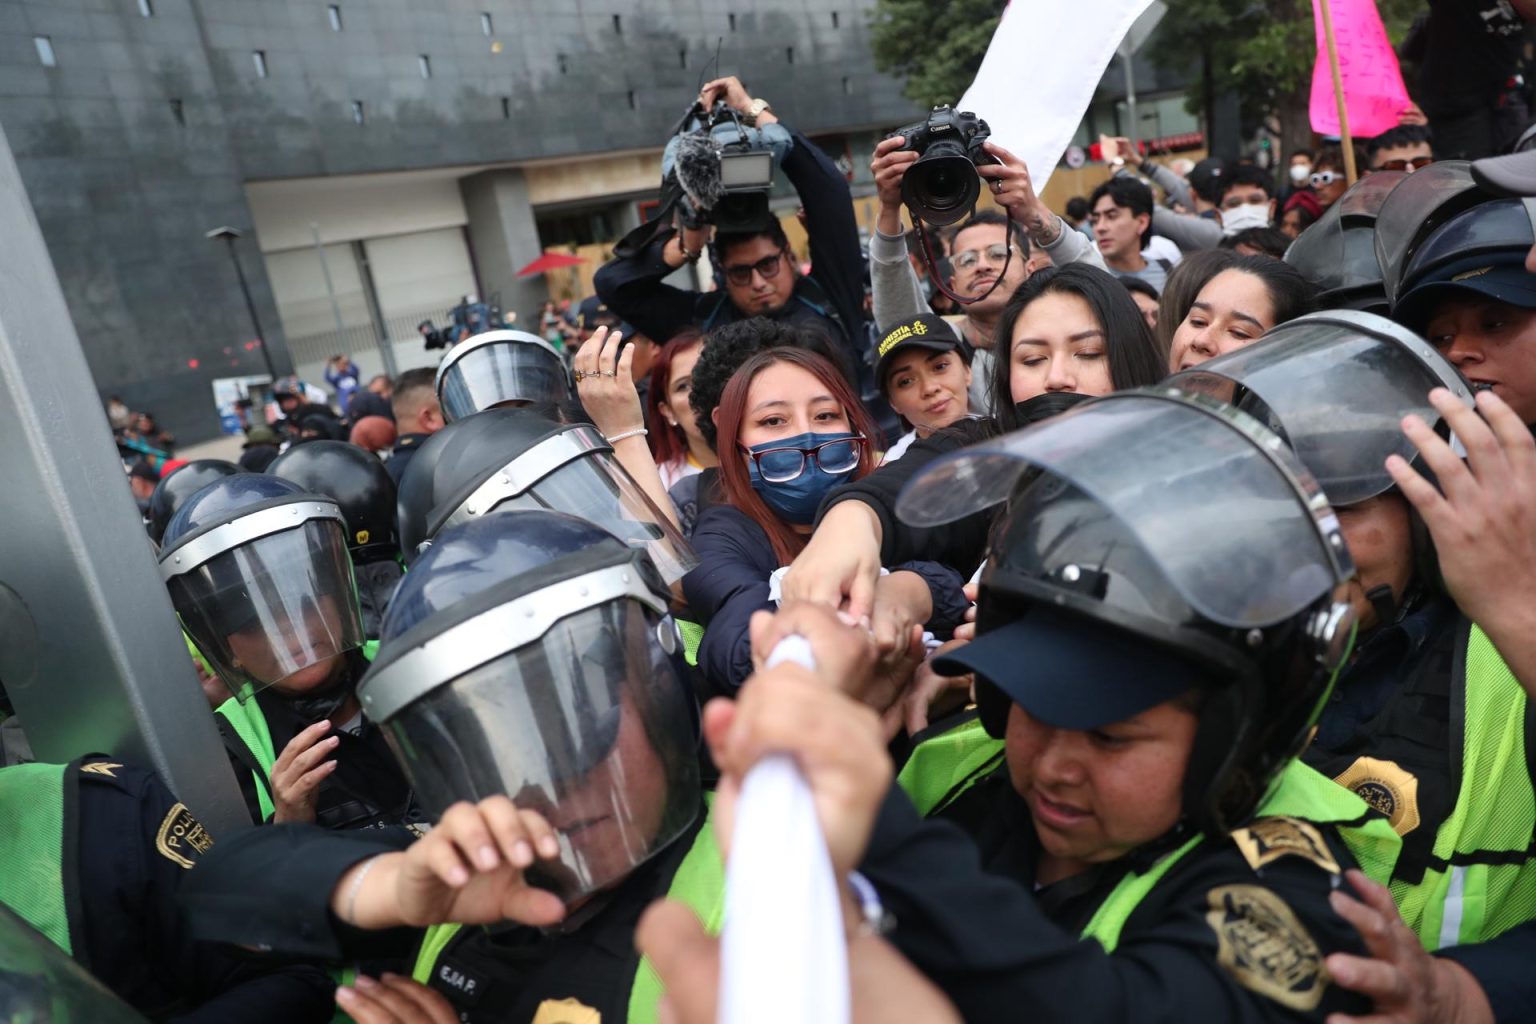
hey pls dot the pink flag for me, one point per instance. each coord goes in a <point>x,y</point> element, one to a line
<point>1373,83</point>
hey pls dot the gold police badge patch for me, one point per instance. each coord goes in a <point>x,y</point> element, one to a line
<point>181,837</point>
<point>566,1011</point>
<point>1264,947</point>
<point>1388,788</point>
<point>1269,839</point>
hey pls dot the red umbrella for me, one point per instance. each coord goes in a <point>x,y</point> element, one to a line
<point>550,261</point>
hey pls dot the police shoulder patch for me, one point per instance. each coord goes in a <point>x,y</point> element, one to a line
<point>566,1011</point>
<point>1269,839</point>
<point>181,838</point>
<point>101,768</point>
<point>1387,787</point>
<point>1264,947</point>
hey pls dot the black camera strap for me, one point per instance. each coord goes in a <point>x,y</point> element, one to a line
<point>938,278</point>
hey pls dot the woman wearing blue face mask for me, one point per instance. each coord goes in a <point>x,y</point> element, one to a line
<point>790,430</point>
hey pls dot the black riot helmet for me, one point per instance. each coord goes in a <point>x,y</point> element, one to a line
<point>531,654</point>
<point>358,482</point>
<point>1338,253</point>
<point>1335,386</point>
<point>1419,204</point>
<point>1480,251</point>
<point>497,368</point>
<point>1155,544</point>
<point>510,458</point>
<point>180,484</point>
<point>259,576</point>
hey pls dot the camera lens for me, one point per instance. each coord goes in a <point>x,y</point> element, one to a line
<point>942,185</point>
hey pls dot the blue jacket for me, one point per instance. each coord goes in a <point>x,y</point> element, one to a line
<point>735,560</point>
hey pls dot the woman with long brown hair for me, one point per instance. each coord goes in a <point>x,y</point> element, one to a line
<point>789,430</point>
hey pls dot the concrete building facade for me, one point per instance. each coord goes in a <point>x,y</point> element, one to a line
<point>381,158</point>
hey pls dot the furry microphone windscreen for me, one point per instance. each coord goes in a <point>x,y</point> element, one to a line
<point>698,169</point>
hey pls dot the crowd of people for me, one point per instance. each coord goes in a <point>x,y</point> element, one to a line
<point>1166,569</point>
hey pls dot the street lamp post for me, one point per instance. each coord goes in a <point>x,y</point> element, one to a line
<point>229,235</point>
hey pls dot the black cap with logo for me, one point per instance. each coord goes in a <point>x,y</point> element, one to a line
<point>926,330</point>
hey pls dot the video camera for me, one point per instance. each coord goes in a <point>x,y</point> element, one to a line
<point>942,186</point>
<point>723,168</point>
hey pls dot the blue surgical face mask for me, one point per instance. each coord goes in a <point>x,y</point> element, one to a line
<point>796,501</point>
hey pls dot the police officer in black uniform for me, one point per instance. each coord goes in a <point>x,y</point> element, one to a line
<point>528,655</point>
<point>259,575</point>
<point>501,368</point>
<point>363,489</point>
<point>95,853</point>
<point>1159,621</point>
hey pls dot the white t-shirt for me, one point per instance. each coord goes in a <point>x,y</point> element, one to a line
<point>899,449</point>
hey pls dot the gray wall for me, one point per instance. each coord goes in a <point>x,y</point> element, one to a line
<point>124,192</point>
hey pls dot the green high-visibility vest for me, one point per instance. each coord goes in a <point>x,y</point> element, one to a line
<point>1300,792</point>
<point>246,718</point>
<point>32,829</point>
<point>959,758</point>
<point>699,883</point>
<point>1483,879</point>
<point>693,635</point>
<point>943,767</point>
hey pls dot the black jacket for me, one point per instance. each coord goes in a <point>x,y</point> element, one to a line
<point>137,846</point>
<point>735,560</point>
<point>960,545</point>
<point>632,286</point>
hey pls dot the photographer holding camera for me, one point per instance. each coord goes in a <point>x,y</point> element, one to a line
<point>979,262</point>
<point>759,272</point>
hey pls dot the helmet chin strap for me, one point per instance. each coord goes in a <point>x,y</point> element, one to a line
<point>1384,604</point>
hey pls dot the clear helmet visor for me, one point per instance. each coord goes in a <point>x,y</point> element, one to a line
<point>1214,499</point>
<point>279,610</point>
<point>498,373</point>
<point>40,983</point>
<point>1336,387</point>
<point>594,487</point>
<point>1420,202</point>
<point>589,726</point>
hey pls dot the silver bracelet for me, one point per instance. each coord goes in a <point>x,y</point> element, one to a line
<point>637,432</point>
<point>350,916</point>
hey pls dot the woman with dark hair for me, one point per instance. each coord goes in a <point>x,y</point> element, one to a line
<point>1184,285</point>
<point>1067,330</point>
<point>677,444</point>
<point>1236,306</point>
<point>789,430</point>
<point>1073,328</point>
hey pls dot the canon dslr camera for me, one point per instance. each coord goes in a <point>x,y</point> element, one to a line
<point>941,188</point>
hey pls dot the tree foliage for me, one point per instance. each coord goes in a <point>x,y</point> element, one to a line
<point>1260,50</point>
<point>936,45</point>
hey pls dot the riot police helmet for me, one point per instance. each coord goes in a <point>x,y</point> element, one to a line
<point>498,368</point>
<point>513,458</point>
<point>180,484</point>
<point>531,654</point>
<point>258,573</point>
<point>357,481</point>
<point>1155,545</point>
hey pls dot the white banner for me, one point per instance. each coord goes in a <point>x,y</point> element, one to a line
<point>1040,72</point>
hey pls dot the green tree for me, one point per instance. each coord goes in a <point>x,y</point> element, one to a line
<point>936,45</point>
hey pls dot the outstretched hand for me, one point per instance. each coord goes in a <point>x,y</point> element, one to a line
<point>1406,984</point>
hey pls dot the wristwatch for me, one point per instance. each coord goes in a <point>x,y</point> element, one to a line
<point>756,107</point>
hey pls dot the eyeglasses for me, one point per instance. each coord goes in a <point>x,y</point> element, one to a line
<point>997,252</point>
<point>1406,165</point>
<point>781,465</point>
<point>1324,178</point>
<point>768,266</point>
